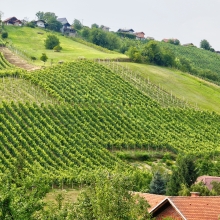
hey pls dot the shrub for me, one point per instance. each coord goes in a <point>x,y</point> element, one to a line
<point>57,48</point>
<point>5,35</point>
<point>51,42</point>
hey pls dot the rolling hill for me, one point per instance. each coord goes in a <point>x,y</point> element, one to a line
<point>34,46</point>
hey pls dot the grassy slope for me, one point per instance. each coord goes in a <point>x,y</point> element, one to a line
<point>182,85</point>
<point>28,40</point>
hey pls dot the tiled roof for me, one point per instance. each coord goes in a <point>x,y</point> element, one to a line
<point>207,180</point>
<point>197,208</point>
<point>191,208</point>
<point>153,199</point>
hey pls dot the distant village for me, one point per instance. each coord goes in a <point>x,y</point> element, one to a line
<point>68,29</point>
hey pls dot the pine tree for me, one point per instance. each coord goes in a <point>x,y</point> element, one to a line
<point>158,184</point>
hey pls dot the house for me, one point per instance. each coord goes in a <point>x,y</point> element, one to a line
<point>207,180</point>
<point>104,28</point>
<point>12,21</point>
<point>140,35</point>
<point>40,23</point>
<point>66,28</point>
<point>189,44</point>
<point>192,207</point>
<point>127,31</point>
<point>150,38</point>
<point>165,40</point>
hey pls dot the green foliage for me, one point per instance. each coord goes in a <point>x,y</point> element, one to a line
<point>40,15</point>
<point>216,188</point>
<point>174,41</point>
<point>201,188</point>
<point>158,184</point>
<point>184,190</point>
<point>51,20</point>
<point>94,26</point>
<point>57,48</point>
<point>51,41</point>
<point>205,45</point>
<point>184,173</point>
<point>77,24</point>
<point>30,24</point>
<point>110,197</point>
<point>33,58</point>
<point>44,57</point>
<point>4,35</point>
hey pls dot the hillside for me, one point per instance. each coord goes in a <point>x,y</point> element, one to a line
<point>31,42</point>
<point>200,58</point>
<point>184,86</point>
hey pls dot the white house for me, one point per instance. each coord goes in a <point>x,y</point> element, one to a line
<point>40,23</point>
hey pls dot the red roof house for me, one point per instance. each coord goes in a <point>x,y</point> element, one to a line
<point>192,207</point>
<point>207,180</point>
<point>140,35</point>
<point>12,21</point>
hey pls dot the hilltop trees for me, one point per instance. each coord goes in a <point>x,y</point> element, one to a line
<point>77,24</point>
<point>206,45</point>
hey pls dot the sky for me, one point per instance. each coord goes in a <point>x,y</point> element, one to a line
<point>190,21</point>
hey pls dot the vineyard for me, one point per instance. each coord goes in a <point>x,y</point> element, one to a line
<point>4,64</point>
<point>200,58</point>
<point>82,113</point>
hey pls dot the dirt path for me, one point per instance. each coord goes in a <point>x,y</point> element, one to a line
<point>16,60</point>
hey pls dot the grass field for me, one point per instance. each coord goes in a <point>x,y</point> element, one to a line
<point>28,40</point>
<point>206,95</point>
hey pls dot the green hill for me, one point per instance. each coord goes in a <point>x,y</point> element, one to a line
<point>30,41</point>
<point>195,91</point>
<point>200,58</point>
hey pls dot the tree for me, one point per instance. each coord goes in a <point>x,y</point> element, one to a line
<point>158,184</point>
<point>40,15</point>
<point>51,42</point>
<point>174,41</point>
<point>44,58</point>
<point>184,173</point>
<point>109,197</point>
<point>205,45</point>
<point>77,24</point>
<point>94,26</point>
<point>4,35</point>
<point>53,24</point>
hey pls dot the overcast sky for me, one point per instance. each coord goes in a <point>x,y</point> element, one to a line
<point>188,20</point>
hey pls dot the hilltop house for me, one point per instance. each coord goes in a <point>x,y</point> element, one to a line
<point>40,23</point>
<point>192,207</point>
<point>66,28</point>
<point>140,35</point>
<point>127,31</point>
<point>104,28</point>
<point>189,44</point>
<point>12,21</point>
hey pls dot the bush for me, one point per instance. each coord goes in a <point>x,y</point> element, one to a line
<point>57,48</point>
<point>51,42</point>
<point>5,35</point>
